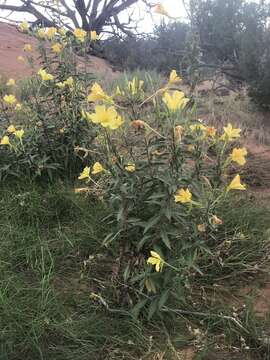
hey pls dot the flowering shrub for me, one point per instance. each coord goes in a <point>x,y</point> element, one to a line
<point>49,113</point>
<point>165,182</point>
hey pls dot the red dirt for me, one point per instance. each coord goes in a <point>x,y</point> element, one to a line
<point>12,42</point>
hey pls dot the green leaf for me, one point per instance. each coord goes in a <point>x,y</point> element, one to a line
<point>163,299</point>
<point>142,242</point>
<point>153,308</point>
<point>152,222</point>
<point>165,238</point>
<point>126,273</point>
<point>137,308</point>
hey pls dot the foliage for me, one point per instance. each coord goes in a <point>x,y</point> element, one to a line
<point>49,114</point>
<point>162,51</point>
<point>165,178</point>
<point>234,36</point>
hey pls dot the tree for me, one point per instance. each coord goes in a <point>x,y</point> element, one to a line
<point>87,14</point>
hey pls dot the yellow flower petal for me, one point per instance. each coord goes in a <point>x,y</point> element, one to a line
<point>230,133</point>
<point>175,101</point>
<point>10,99</point>
<point>27,48</point>
<point>85,173</point>
<point>238,155</point>
<point>236,184</point>
<point>19,133</point>
<point>155,260</point>
<point>80,34</point>
<point>97,168</point>
<point>183,196</point>
<point>11,82</point>
<point>5,140</point>
<point>174,78</point>
<point>44,75</point>
<point>97,94</point>
<point>11,129</point>
<point>130,167</point>
<point>57,48</point>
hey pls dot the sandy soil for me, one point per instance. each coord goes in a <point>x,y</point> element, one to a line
<point>12,42</point>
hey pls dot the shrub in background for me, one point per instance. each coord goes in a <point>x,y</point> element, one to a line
<point>162,51</point>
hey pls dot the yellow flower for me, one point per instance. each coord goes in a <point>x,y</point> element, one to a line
<point>11,129</point>
<point>85,173</point>
<point>69,81</point>
<point>27,48</point>
<point>44,75</point>
<point>230,133</point>
<point>10,99</point>
<point>238,155</point>
<point>80,34</point>
<point>216,220</point>
<point>159,9</point>
<point>107,117</point>
<point>236,184</point>
<point>41,33</point>
<point>201,228</point>
<point>175,101</point>
<point>57,48</point>
<point>24,26</point>
<point>61,85</point>
<point>21,58</point>
<point>97,168</point>
<point>5,140</point>
<point>130,167</point>
<point>97,93</point>
<point>174,78</point>
<point>11,82</point>
<point>19,133</point>
<point>62,130</point>
<point>183,196</point>
<point>93,35</point>
<point>211,131</point>
<point>51,32</point>
<point>197,127</point>
<point>155,260</point>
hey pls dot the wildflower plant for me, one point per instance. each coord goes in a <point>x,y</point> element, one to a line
<point>50,107</point>
<point>161,171</point>
<point>165,183</point>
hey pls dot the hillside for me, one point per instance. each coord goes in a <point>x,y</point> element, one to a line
<point>11,46</point>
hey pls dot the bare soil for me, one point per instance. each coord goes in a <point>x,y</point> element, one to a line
<point>12,42</point>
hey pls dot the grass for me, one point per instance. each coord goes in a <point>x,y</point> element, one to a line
<point>50,247</point>
<point>47,240</point>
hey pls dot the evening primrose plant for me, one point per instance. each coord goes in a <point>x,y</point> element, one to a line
<point>50,105</point>
<point>165,186</point>
<point>162,173</point>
